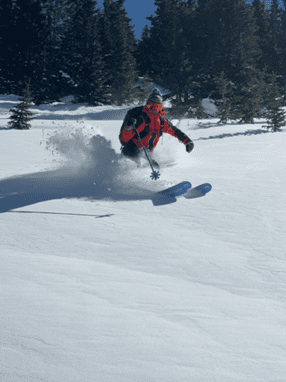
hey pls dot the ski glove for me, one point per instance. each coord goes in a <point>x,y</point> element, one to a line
<point>132,127</point>
<point>189,146</point>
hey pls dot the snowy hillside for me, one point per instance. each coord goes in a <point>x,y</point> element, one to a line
<point>98,284</point>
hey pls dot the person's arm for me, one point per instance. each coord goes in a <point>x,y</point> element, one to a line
<point>127,129</point>
<point>169,128</point>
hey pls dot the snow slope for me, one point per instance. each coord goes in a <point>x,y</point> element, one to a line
<point>97,284</point>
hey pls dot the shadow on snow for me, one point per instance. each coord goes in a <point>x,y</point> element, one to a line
<point>25,190</point>
<point>92,171</point>
<point>60,213</point>
<point>246,133</point>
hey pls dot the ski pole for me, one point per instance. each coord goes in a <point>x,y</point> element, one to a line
<point>155,174</point>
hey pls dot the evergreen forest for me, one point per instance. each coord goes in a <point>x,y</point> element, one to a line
<point>227,50</point>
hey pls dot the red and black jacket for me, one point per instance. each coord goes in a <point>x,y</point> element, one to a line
<point>151,124</point>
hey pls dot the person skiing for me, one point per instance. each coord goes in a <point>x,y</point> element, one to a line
<point>149,122</point>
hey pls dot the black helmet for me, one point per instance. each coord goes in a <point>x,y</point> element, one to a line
<point>155,96</point>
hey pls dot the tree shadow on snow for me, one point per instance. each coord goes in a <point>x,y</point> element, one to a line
<point>207,125</point>
<point>246,133</point>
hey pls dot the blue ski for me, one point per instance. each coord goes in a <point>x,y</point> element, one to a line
<point>169,195</point>
<point>198,191</point>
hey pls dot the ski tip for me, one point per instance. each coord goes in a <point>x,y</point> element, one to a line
<point>198,191</point>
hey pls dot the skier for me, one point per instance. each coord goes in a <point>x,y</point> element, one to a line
<point>150,123</point>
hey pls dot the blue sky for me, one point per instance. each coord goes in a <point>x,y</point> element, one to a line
<point>138,10</point>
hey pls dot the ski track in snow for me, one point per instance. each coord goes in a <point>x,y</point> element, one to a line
<point>97,284</point>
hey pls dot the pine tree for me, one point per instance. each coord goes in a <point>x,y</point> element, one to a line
<point>200,112</point>
<point>6,33</point>
<point>275,32</point>
<point>57,13</point>
<point>118,46</point>
<point>272,38</point>
<point>51,84</point>
<point>242,47</point>
<point>261,17</point>
<point>21,115</point>
<point>169,51</point>
<point>225,30</point>
<point>250,95</point>
<point>185,104</point>
<point>82,53</point>
<point>203,23</point>
<point>141,53</point>
<point>241,67</point>
<point>30,39</point>
<point>282,44</point>
<point>275,115</point>
<point>22,43</point>
<point>225,90</point>
<point>180,109</point>
<point>142,89</point>
<point>170,34</point>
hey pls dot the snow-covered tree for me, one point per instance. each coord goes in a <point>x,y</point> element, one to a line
<point>21,115</point>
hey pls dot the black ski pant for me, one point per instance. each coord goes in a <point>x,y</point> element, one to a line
<point>131,150</point>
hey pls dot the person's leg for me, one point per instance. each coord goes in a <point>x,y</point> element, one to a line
<point>130,150</point>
